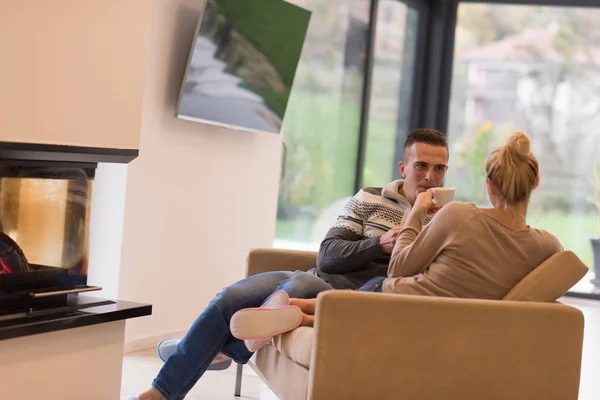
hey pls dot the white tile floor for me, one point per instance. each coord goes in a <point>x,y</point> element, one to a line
<point>140,368</point>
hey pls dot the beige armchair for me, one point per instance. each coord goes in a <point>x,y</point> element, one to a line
<point>383,346</point>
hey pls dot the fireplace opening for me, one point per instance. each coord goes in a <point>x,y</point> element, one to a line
<point>44,232</point>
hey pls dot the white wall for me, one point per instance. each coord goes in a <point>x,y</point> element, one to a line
<point>72,72</point>
<point>198,197</point>
<point>35,367</point>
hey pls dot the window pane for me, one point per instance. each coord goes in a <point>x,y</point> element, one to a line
<point>391,90</point>
<point>537,70</point>
<point>322,122</point>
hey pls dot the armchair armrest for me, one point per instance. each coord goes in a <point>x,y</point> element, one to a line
<point>412,347</point>
<point>266,260</point>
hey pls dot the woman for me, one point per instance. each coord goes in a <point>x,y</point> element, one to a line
<point>465,252</point>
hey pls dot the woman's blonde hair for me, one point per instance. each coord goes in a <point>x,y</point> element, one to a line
<point>514,169</point>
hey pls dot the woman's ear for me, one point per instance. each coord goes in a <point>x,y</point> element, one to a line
<point>491,188</point>
<point>537,182</point>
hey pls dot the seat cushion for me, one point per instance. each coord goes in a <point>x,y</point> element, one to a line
<point>296,344</point>
<point>550,280</point>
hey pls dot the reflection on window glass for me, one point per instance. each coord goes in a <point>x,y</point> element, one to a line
<point>321,124</point>
<point>391,89</point>
<point>537,70</point>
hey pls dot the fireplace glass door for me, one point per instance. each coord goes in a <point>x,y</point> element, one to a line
<point>44,221</point>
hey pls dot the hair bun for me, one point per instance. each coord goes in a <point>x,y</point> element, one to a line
<point>519,142</point>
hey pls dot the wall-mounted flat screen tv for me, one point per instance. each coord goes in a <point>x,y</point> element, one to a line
<point>242,64</point>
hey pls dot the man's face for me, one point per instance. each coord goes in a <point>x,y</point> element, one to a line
<point>424,167</point>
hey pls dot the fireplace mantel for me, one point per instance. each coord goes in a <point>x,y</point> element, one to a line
<point>13,151</point>
<point>80,311</point>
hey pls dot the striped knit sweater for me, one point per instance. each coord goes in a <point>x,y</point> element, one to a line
<point>350,254</point>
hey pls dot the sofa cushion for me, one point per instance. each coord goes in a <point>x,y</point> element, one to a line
<point>296,344</point>
<point>550,280</point>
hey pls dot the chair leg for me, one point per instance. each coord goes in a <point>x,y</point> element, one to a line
<point>238,380</point>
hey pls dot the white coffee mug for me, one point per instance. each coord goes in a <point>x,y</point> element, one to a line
<point>443,195</point>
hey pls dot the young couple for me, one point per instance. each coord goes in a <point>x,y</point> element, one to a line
<point>381,242</point>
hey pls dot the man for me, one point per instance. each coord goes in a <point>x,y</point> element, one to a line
<point>358,245</point>
<point>356,249</point>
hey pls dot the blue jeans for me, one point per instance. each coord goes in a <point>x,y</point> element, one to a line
<point>210,334</point>
<point>373,285</point>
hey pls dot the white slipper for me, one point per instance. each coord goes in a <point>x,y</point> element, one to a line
<point>257,326</point>
<point>278,299</point>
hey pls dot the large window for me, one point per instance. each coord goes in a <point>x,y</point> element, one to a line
<point>321,126</point>
<point>533,69</point>
<point>373,70</point>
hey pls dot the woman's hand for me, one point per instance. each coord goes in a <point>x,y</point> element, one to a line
<point>425,201</point>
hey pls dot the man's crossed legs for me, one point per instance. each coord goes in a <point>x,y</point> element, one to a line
<point>209,335</point>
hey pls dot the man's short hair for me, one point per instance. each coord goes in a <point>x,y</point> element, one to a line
<point>427,136</point>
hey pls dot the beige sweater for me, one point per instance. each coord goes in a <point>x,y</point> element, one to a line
<point>464,253</point>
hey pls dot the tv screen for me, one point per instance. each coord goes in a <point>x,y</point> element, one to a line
<point>242,63</point>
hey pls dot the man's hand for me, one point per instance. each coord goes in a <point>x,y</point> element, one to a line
<point>425,201</point>
<point>388,240</point>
